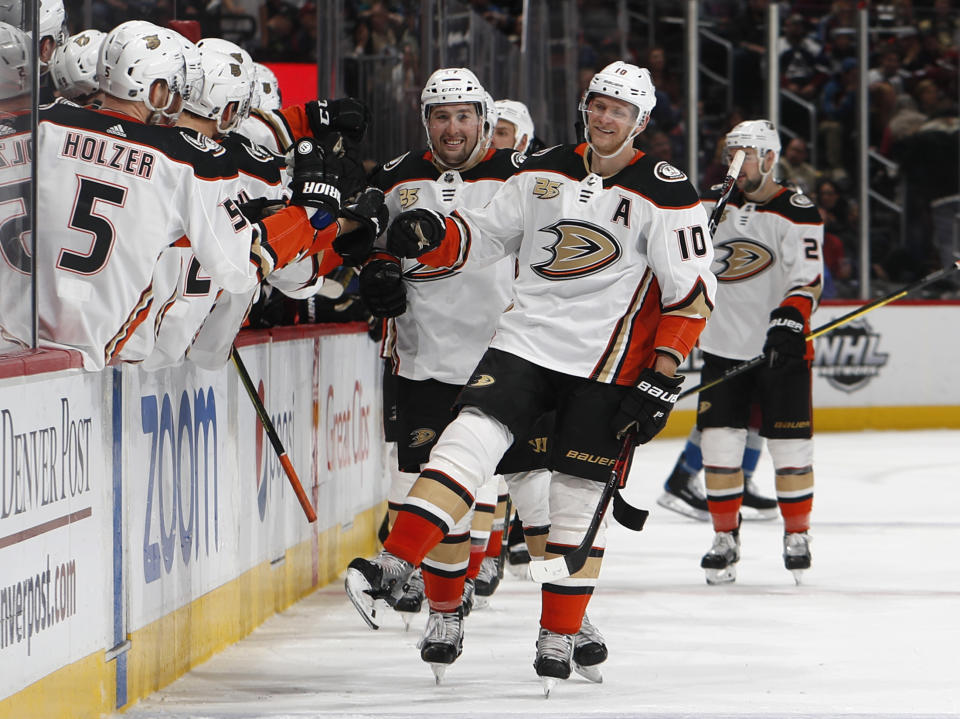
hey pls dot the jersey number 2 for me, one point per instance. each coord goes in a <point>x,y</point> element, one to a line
<point>83,218</point>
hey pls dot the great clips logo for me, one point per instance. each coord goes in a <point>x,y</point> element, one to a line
<point>849,357</point>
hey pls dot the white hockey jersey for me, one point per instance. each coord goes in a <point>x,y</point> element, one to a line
<point>116,194</point>
<point>16,263</point>
<point>764,256</point>
<point>451,313</point>
<point>610,270</point>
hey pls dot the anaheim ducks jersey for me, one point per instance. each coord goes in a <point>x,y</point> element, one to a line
<point>764,256</point>
<point>259,174</point>
<point>16,265</point>
<point>120,192</point>
<point>451,313</point>
<point>610,269</point>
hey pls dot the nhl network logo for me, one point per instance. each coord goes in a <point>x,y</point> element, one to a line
<point>849,356</point>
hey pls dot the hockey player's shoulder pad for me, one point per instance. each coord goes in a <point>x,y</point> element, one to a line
<point>559,158</point>
<point>497,165</point>
<point>254,159</point>
<point>713,193</point>
<point>659,181</point>
<point>796,207</point>
<point>408,167</point>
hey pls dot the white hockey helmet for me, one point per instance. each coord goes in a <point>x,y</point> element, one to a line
<point>135,55</point>
<point>53,21</point>
<point>761,135</point>
<point>193,67</point>
<point>515,112</point>
<point>453,86</point>
<point>73,67</point>
<point>224,81</point>
<point>243,57</point>
<point>626,82</point>
<point>266,95</point>
<point>16,49</point>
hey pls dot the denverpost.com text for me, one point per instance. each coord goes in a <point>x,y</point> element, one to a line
<point>37,603</point>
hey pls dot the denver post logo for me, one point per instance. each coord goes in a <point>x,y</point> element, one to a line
<point>849,357</point>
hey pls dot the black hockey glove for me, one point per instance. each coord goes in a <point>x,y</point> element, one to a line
<point>786,343</point>
<point>258,208</point>
<point>317,169</point>
<point>645,408</point>
<point>369,210</point>
<point>346,115</point>
<point>416,232</point>
<point>381,286</point>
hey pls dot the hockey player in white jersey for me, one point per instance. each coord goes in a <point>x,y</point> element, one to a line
<point>137,188</point>
<point>614,287</point>
<point>768,262</point>
<point>73,67</point>
<point>429,307</point>
<point>514,126</point>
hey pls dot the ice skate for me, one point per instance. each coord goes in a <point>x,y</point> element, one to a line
<point>589,651</point>
<point>756,506</point>
<point>442,641</point>
<point>486,582</point>
<point>408,604</point>
<point>682,493</point>
<point>466,602</point>
<point>370,580</point>
<point>796,553</point>
<point>554,654</point>
<point>720,563</point>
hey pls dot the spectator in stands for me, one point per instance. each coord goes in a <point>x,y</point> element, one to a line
<point>383,29</point>
<point>838,105</point>
<point>803,66</point>
<point>888,69</point>
<point>793,169</point>
<point>840,214</point>
<point>748,34</point>
<point>841,19</point>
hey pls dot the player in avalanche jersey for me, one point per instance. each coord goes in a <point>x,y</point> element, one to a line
<point>768,250</point>
<point>613,289</point>
<point>128,188</point>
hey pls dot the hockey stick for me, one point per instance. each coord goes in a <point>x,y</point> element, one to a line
<point>633,517</point>
<point>550,570</point>
<point>271,431</point>
<point>726,189</point>
<point>749,364</point>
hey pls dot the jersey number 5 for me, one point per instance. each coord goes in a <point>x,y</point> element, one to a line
<point>84,219</point>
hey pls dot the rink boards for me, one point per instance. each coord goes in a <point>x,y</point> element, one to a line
<point>145,522</point>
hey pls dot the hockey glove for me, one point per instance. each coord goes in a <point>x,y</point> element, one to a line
<point>416,232</point>
<point>317,169</point>
<point>354,247</point>
<point>258,208</point>
<point>346,115</point>
<point>786,343</point>
<point>381,286</point>
<point>645,408</point>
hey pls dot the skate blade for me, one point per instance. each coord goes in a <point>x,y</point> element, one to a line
<point>358,591</point>
<point>727,575</point>
<point>480,602</point>
<point>548,684</point>
<point>589,673</point>
<point>752,514</point>
<point>439,670</point>
<point>406,618</point>
<point>675,504</point>
<point>520,571</point>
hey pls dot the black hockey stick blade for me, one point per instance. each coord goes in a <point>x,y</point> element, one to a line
<point>726,189</point>
<point>831,325</point>
<point>550,570</point>
<point>626,514</point>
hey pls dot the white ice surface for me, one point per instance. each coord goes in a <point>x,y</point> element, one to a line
<point>874,630</point>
